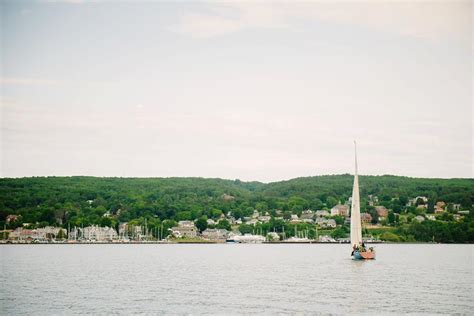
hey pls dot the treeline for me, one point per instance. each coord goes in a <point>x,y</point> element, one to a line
<point>84,201</point>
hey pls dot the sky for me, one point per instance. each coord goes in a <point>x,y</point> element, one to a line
<point>261,91</point>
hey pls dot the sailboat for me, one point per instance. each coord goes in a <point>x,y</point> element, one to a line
<point>358,251</point>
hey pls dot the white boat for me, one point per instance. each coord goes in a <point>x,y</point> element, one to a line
<point>246,239</point>
<point>297,239</point>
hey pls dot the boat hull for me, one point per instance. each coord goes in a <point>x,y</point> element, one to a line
<point>366,255</point>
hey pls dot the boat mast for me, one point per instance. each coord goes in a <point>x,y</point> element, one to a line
<point>356,229</point>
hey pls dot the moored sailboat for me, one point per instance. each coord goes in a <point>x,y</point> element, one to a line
<point>359,250</point>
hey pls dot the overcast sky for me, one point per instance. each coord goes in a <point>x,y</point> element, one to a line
<point>256,91</point>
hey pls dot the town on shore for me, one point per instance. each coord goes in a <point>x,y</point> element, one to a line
<point>274,226</point>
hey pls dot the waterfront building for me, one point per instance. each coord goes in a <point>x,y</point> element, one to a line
<point>184,229</point>
<point>38,234</point>
<point>20,234</point>
<point>321,213</point>
<point>340,210</point>
<point>265,218</point>
<point>373,200</point>
<point>97,233</point>
<point>331,223</point>
<point>439,207</point>
<point>412,202</point>
<point>252,221</point>
<point>382,211</point>
<point>231,220</point>
<point>321,222</point>
<point>227,197</point>
<point>215,234</point>
<point>294,219</point>
<point>186,223</point>
<point>365,217</point>
<point>419,218</point>
<point>308,214</point>
<point>211,222</point>
<point>12,218</point>
<point>273,236</point>
<point>74,234</point>
<point>123,229</point>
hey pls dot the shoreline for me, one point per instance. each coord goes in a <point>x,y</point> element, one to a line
<point>222,243</point>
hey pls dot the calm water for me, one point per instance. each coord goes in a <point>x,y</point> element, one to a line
<point>234,279</point>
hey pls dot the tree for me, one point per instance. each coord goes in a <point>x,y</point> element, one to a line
<point>431,205</point>
<point>312,233</point>
<point>245,229</point>
<point>261,206</point>
<point>183,216</point>
<point>201,223</point>
<point>317,204</point>
<point>339,219</point>
<point>331,201</point>
<point>105,222</point>
<point>77,201</point>
<point>403,200</point>
<point>216,213</point>
<point>391,218</point>
<point>339,233</point>
<point>223,224</point>
<point>297,204</point>
<point>388,236</point>
<point>61,234</point>
<point>375,217</point>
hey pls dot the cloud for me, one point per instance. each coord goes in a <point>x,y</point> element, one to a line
<point>27,81</point>
<point>427,20</point>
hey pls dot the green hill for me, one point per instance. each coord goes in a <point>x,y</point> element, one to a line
<point>107,201</point>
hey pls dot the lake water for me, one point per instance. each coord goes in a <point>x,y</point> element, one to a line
<point>235,279</point>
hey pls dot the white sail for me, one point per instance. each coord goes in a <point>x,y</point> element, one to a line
<point>356,229</point>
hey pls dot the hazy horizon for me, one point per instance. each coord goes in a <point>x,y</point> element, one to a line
<point>251,91</point>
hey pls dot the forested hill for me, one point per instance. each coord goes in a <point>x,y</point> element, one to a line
<point>85,200</point>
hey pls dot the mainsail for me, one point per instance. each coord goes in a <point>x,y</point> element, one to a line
<point>356,229</point>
